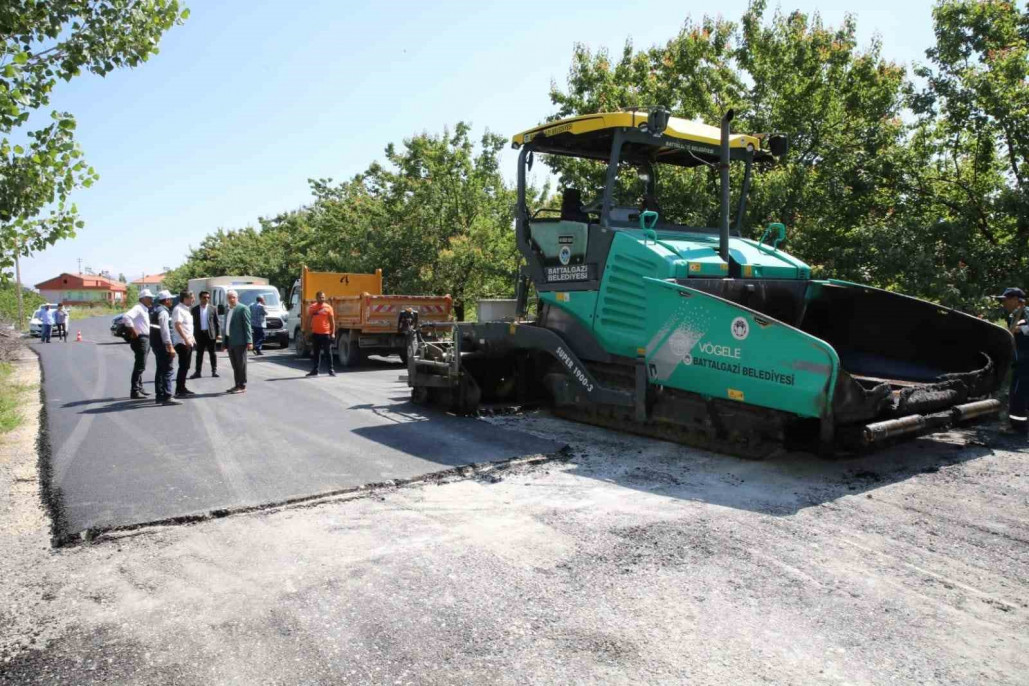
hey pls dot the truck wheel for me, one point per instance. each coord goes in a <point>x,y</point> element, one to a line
<point>300,344</point>
<point>348,352</point>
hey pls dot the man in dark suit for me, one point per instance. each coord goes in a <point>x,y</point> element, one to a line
<point>205,330</point>
<point>239,338</point>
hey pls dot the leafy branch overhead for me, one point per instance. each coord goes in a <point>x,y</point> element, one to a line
<point>916,188</point>
<point>42,44</point>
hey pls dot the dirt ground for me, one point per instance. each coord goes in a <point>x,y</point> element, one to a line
<point>626,560</point>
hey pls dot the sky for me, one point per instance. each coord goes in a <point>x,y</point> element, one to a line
<point>250,98</point>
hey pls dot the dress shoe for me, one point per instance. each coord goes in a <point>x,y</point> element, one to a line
<point>214,374</point>
<point>168,401</point>
<point>332,373</point>
<point>234,389</point>
<point>195,376</point>
<point>314,373</point>
<point>184,394</point>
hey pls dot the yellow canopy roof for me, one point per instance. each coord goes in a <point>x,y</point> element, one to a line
<point>590,135</point>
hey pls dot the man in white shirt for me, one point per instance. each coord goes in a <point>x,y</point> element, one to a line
<point>163,349</point>
<point>182,339</point>
<point>205,325</point>
<point>137,324</point>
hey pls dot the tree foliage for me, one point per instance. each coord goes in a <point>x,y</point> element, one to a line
<point>41,44</point>
<point>436,216</point>
<point>918,185</point>
<point>839,104</point>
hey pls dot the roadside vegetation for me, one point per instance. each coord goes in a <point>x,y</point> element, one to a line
<point>9,304</point>
<point>82,312</point>
<point>919,186</point>
<point>11,397</point>
<point>41,163</point>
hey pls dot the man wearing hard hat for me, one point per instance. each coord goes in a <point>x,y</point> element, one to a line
<point>164,348</point>
<point>137,324</point>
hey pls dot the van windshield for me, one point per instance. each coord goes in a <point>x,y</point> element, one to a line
<point>249,296</point>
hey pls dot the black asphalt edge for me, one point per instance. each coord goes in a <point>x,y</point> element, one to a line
<point>49,494</point>
<point>474,470</point>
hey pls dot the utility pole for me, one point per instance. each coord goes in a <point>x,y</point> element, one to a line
<point>17,282</point>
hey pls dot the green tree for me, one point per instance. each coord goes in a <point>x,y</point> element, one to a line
<point>792,74</point>
<point>436,216</point>
<point>969,168</point>
<point>9,303</point>
<point>42,43</point>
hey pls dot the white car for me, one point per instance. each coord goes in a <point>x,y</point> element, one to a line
<point>36,326</point>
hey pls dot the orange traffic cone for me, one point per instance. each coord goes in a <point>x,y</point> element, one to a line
<point>78,337</point>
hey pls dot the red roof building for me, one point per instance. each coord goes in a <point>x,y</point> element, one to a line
<point>82,289</point>
<point>154,282</point>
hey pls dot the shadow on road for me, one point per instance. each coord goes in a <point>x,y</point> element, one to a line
<point>290,361</point>
<point>79,403</point>
<point>129,404</point>
<point>122,406</point>
<point>781,485</point>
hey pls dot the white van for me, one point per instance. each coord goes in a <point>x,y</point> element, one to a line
<point>276,327</point>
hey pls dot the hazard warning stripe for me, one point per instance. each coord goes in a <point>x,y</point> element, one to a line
<point>429,309</point>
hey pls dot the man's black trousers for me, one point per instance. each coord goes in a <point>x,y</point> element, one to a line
<point>238,358</point>
<point>185,353</point>
<point>321,342</point>
<point>140,349</point>
<point>163,375</point>
<point>206,344</point>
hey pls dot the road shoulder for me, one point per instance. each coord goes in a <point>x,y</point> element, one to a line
<point>24,524</point>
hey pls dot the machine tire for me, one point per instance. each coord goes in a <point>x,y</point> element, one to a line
<point>348,352</point>
<point>300,344</point>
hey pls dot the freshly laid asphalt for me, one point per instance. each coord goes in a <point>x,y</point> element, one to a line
<point>116,462</point>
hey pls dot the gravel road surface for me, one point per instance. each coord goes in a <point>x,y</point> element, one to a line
<point>624,560</point>
<point>117,462</point>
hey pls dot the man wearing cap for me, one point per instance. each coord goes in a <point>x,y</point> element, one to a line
<point>1013,301</point>
<point>137,324</point>
<point>164,349</point>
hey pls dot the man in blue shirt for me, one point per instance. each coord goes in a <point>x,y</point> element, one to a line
<point>258,318</point>
<point>46,320</point>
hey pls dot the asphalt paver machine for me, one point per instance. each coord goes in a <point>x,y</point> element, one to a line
<point>697,334</point>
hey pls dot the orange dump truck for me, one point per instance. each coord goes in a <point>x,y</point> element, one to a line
<point>367,322</point>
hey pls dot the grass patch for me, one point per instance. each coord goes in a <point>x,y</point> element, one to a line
<point>11,396</point>
<point>80,312</point>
